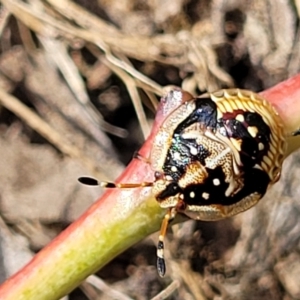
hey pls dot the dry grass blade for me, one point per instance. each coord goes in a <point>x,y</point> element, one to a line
<point>152,98</point>
<point>147,83</point>
<point>15,249</point>
<point>44,24</point>
<point>191,280</point>
<point>207,75</point>
<point>135,97</point>
<point>297,3</point>
<point>43,128</point>
<point>4,16</point>
<point>105,288</point>
<point>71,10</point>
<point>58,52</point>
<point>168,291</point>
<point>293,67</point>
<point>169,49</point>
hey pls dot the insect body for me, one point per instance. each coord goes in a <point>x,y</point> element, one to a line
<point>214,156</point>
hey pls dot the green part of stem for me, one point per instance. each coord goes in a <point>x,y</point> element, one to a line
<point>112,224</point>
<point>85,249</point>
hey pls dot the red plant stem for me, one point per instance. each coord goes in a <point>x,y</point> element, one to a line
<point>116,221</point>
<point>285,97</point>
<point>120,218</point>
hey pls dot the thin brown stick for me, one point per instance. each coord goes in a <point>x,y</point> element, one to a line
<point>87,20</point>
<point>135,98</point>
<point>105,288</point>
<point>4,17</point>
<point>64,63</point>
<point>38,124</point>
<point>168,291</point>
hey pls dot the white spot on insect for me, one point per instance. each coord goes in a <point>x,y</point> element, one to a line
<point>252,130</point>
<point>174,169</point>
<point>240,118</point>
<point>160,252</point>
<point>169,178</point>
<point>177,156</point>
<point>181,196</point>
<point>192,194</point>
<point>193,151</point>
<point>261,146</point>
<point>256,166</point>
<point>216,182</point>
<point>222,131</point>
<point>205,196</point>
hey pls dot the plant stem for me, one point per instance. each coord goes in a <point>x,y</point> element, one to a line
<point>120,218</point>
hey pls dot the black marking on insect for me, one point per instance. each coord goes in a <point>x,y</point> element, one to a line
<point>213,157</point>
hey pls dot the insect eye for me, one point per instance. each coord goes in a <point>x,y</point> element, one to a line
<point>171,190</point>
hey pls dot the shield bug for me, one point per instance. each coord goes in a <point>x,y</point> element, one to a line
<point>213,157</point>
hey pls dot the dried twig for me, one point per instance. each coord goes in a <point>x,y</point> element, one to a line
<point>37,123</point>
<point>105,288</point>
<point>4,16</point>
<point>168,291</point>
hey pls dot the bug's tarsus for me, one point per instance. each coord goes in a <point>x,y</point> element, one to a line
<point>161,266</point>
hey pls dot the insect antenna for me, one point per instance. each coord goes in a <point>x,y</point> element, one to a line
<point>161,265</point>
<point>107,184</point>
<point>88,181</point>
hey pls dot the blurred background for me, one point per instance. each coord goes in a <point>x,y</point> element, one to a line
<point>79,85</point>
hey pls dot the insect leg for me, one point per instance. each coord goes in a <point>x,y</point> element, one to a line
<point>161,265</point>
